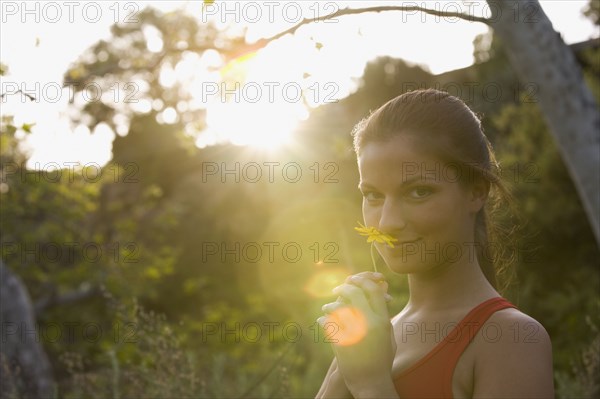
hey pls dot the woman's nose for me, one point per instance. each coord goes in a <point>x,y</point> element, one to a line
<point>392,217</point>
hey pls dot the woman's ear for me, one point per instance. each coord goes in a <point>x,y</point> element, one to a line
<point>478,194</point>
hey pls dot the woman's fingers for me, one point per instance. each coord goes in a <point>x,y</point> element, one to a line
<point>364,291</point>
<point>353,294</point>
<point>374,276</point>
<point>384,285</point>
<point>330,307</point>
<point>321,320</point>
<point>374,293</point>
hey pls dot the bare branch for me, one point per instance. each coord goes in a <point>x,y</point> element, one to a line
<point>241,49</point>
<point>29,96</point>
<point>353,11</point>
<point>54,299</point>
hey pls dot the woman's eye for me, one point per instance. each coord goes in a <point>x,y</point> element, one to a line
<point>420,192</point>
<point>371,196</point>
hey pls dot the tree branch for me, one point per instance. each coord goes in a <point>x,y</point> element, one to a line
<point>54,299</point>
<point>354,11</point>
<point>236,51</point>
<point>29,96</point>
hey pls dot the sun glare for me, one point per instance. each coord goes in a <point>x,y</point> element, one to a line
<point>266,126</point>
<point>245,108</point>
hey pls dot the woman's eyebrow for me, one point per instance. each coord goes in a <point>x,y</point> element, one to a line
<point>415,179</point>
<point>409,181</point>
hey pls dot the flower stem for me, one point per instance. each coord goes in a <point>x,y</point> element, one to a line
<point>373,257</point>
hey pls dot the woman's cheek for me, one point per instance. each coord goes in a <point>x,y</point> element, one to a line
<point>371,214</point>
<point>422,216</point>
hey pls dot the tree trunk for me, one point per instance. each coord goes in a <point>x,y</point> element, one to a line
<point>543,61</point>
<point>24,367</point>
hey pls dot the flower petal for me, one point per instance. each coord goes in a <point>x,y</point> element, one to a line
<point>373,234</point>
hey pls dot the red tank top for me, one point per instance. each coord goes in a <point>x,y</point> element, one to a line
<point>431,376</point>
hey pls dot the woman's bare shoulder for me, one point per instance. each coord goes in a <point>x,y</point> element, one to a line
<point>514,326</point>
<point>513,357</point>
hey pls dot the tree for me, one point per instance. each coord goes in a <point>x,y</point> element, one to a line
<point>539,55</point>
<point>24,366</point>
<point>593,11</point>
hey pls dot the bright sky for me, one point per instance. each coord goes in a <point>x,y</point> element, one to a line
<point>39,41</point>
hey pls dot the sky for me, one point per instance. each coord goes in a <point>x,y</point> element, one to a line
<point>40,40</point>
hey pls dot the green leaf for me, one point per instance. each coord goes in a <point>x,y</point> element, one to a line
<point>27,127</point>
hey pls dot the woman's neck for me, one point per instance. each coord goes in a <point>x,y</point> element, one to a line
<point>448,286</point>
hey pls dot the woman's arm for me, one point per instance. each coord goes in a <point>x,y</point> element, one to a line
<point>333,385</point>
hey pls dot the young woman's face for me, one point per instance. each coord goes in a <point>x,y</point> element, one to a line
<point>416,198</point>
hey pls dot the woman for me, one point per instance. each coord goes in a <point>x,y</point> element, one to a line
<point>429,179</point>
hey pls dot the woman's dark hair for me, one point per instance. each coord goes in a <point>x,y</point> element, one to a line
<point>444,125</point>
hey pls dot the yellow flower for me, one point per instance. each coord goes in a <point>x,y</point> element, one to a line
<point>374,235</point>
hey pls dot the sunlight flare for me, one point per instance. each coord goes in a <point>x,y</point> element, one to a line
<point>345,326</point>
<point>323,281</point>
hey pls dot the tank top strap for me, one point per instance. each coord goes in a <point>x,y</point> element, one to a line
<point>470,325</point>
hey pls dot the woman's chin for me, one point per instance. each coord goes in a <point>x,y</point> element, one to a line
<point>409,265</point>
<point>402,267</point>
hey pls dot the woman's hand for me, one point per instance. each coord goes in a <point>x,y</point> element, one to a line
<point>334,385</point>
<point>359,325</point>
